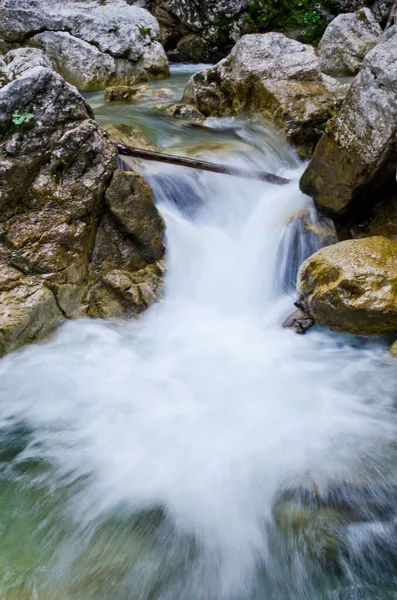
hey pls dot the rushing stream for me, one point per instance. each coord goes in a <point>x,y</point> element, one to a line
<point>203,452</point>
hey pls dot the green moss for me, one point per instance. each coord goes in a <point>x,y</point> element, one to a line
<point>301,16</point>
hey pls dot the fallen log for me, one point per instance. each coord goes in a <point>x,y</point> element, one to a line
<point>199,164</point>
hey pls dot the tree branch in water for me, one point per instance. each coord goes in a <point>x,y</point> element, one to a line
<point>200,164</point>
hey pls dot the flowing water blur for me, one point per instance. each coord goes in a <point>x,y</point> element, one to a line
<point>203,452</point>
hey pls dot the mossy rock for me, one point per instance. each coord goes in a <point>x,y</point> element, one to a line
<point>352,286</point>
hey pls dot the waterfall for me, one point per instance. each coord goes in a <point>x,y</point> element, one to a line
<point>178,456</point>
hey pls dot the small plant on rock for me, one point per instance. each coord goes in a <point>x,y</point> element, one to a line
<point>20,119</point>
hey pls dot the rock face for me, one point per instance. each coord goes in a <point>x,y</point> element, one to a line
<point>206,30</point>
<point>90,44</point>
<point>56,166</point>
<point>352,286</point>
<point>272,75</point>
<point>357,153</point>
<point>346,41</point>
<point>199,31</point>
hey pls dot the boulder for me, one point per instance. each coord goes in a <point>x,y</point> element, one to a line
<point>352,286</point>
<point>126,93</point>
<point>346,41</point>
<point>91,44</point>
<point>57,165</point>
<point>357,152</point>
<point>79,62</point>
<point>28,309</point>
<point>272,75</point>
<point>21,59</point>
<point>183,111</point>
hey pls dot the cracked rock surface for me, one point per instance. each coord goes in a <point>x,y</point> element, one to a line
<point>55,170</point>
<point>91,44</point>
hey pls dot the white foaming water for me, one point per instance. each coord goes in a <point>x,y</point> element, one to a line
<point>206,407</point>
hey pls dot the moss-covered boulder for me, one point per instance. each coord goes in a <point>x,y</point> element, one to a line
<point>357,152</point>
<point>352,286</point>
<point>270,75</point>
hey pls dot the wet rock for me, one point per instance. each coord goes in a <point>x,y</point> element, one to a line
<point>28,308</point>
<point>126,267</point>
<point>92,44</point>
<point>393,349</point>
<point>299,320</point>
<point>346,41</point>
<point>183,111</point>
<point>129,136</point>
<point>125,93</point>
<point>271,75</point>
<point>56,168</point>
<point>316,531</point>
<point>357,152</point>
<point>352,286</point>
<point>130,202</point>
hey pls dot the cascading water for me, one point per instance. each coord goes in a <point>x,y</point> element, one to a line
<point>203,452</point>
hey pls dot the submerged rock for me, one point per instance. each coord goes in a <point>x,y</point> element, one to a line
<point>92,44</point>
<point>129,136</point>
<point>393,349</point>
<point>299,320</point>
<point>56,166</point>
<point>182,111</point>
<point>270,75</point>
<point>352,286</point>
<point>125,93</point>
<point>346,41</point>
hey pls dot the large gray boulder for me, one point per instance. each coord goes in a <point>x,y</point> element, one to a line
<point>56,167</point>
<point>352,286</point>
<point>272,75</point>
<point>346,41</point>
<point>357,152</point>
<point>92,44</point>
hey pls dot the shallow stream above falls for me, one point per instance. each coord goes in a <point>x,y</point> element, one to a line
<point>203,452</point>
